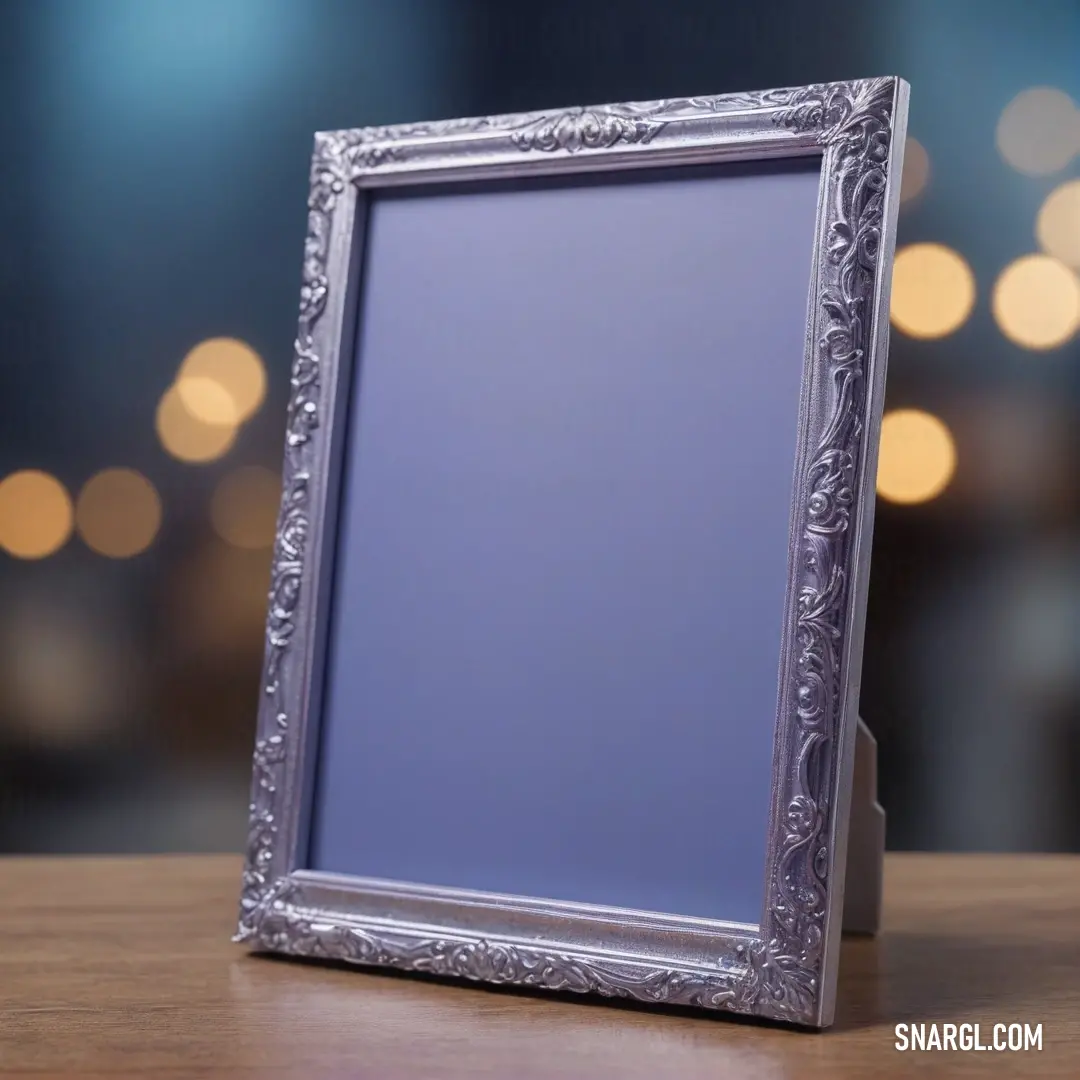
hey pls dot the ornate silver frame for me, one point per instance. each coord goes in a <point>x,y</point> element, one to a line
<point>785,968</point>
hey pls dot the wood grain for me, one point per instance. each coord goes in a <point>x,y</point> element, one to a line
<point>123,967</point>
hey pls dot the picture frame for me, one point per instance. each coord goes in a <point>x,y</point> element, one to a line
<point>784,966</point>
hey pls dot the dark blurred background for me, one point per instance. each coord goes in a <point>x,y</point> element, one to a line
<point>153,178</point>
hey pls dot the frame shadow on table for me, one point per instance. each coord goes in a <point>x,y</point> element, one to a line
<point>913,976</point>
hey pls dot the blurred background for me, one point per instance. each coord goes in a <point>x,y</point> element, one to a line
<point>153,179</point>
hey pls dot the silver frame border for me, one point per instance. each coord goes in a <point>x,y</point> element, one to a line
<point>784,968</point>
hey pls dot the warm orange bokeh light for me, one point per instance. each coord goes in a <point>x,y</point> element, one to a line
<point>1057,227</point>
<point>916,173</point>
<point>1037,132</point>
<point>187,438</point>
<point>245,505</point>
<point>36,514</point>
<point>917,458</point>
<point>933,291</point>
<point>237,370</point>
<point>1036,302</point>
<point>208,401</point>
<point>118,513</point>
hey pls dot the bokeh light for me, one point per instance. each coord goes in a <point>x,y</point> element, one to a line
<point>1036,302</point>
<point>1016,452</point>
<point>188,438</point>
<point>917,458</point>
<point>208,401</point>
<point>118,513</point>
<point>933,290</point>
<point>219,600</point>
<point>67,677</point>
<point>244,507</point>
<point>1057,228</point>
<point>1037,132</point>
<point>236,368</point>
<point>916,170</point>
<point>36,514</point>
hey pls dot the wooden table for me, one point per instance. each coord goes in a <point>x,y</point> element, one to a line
<point>123,967</point>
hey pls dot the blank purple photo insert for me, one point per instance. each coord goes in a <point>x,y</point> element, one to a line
<point>563,547</point>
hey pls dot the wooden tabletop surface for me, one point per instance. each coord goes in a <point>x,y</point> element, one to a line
<point>123,967</point>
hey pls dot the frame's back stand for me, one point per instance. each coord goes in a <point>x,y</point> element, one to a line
<point>866,842</point>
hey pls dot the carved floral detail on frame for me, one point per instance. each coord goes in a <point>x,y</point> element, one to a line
<point>286,928</point>
<point>780,970</point>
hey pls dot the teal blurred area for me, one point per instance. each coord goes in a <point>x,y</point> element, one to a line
<point>153,180</point>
